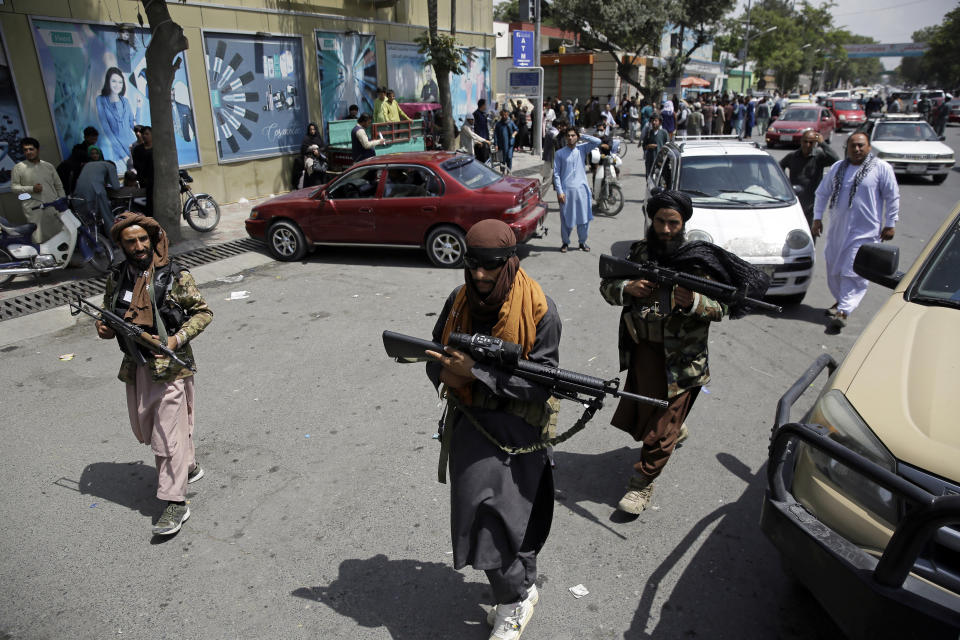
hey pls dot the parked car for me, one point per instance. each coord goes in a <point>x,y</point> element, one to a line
<point>954,115</point>
<point>910,145</point>
<point>795,119</point>
<point>743,202</point>
<point>848,113</point>
<point>863,495</point>
<point>421,199</point>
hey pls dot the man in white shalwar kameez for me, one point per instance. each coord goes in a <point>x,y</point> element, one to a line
<point>863,198</point>
<point>573,190</point>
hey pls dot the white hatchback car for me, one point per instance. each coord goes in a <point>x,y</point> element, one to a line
<point>742,202</point>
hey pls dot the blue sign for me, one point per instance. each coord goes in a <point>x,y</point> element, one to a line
<point>523,48</point>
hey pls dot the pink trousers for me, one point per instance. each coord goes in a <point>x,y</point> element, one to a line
<point>161,415</point>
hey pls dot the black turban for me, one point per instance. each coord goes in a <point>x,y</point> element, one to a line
<point>666,199</point>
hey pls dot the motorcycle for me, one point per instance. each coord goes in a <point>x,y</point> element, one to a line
<point>19,255</point>
<point>609,197</point>
<point>200,210</point>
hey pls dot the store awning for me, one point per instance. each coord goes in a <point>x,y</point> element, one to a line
<point>694,81</point>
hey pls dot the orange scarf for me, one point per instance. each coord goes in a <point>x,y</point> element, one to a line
<point>524,307</point>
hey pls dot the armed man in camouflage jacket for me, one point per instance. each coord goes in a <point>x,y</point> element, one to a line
<point>148,290</point>
<point>663,350</point>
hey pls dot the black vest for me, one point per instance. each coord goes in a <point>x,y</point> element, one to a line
<point>359,152</point>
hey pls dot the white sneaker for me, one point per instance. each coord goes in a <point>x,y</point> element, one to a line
<point>533,597</point>
<point>510,620</point>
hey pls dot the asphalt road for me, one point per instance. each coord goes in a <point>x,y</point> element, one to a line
<point>320,515</point>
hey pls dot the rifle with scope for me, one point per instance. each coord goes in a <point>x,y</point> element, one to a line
<point>666,279</point>
<point>506,355</point>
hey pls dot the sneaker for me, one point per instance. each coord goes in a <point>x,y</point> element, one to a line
<point>510,621</point>
<point>172,519</point>
<point>195,475</point>
<point>838,321</point>
<point>683,433</point>
<point>832,311</point>
<point>638,497</point>
<point>533,597</point>
<point>563,248</point>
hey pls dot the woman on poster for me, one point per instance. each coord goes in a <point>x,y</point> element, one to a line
<point>116,119</point>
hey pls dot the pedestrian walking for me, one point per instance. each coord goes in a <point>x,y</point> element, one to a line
<point>150,290</point>
<point>504,134</point>
<point>501,505</point>
<point>763,116</point>
<point>652,141</point>
<point>863,198</point>
<point>573,190</point>
<point>805,168</point>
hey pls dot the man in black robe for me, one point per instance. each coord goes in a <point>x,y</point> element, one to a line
<point>501,505</point>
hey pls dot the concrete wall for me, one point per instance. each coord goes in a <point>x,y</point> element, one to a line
<point>250,178</point>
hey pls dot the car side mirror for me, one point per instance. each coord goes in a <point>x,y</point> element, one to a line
<point>942,138</point>
<point>878,263</point>
<point>797,189</point>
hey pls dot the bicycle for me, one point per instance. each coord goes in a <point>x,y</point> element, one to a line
<point>609,197</point>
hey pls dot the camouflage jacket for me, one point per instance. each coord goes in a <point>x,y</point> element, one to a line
<point>184,293</point>
<point>682,333</point>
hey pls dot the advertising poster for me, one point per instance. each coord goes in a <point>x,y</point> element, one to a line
<point>348,73</point>
<point>257,92</point>
<point>95,75</point>
<point>412,78</point>
<point>11,120</point>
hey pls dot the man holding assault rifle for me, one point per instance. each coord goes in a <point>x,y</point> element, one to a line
<point>163,304</point>
<point>664,329</point>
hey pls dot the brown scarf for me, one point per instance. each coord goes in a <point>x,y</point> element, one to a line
<point>141,306</point>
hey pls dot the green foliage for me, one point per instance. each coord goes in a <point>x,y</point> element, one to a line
<point>443,53</point>
<point>943,57</point>
<point>506,11</point>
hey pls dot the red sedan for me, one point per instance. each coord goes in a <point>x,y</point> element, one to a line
<point>848,113</point>
<point>797,118</point>
<point>422,199</point>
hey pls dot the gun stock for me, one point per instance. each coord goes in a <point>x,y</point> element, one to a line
<point>127,329</point>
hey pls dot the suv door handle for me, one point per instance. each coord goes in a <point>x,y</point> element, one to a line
<point>428,209</point>
<point>365,210</point>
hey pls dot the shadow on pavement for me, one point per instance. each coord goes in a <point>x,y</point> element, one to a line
<point>804,312</point>
<point>706,602</point>
<point>129,484</point>
<point>414,600</point>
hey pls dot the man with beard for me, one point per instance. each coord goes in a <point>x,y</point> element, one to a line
<point>665,350</point>
<point>149,290</point>
<point>863,197</point>
<point>501,505</point>
<point>573,191</point>
<point>805,168</point>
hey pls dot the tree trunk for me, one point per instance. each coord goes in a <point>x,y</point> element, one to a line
<point>443,81</point>
<point>166,41</point>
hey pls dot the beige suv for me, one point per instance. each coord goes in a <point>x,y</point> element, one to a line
<point>863,496</point>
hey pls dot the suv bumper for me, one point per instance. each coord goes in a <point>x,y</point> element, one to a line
<point>868,597</point>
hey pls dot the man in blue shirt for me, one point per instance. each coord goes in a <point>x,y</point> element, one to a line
<point>573,190</point>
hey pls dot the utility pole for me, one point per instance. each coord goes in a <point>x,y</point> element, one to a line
<point>538,107</point>
<point>746,52</point>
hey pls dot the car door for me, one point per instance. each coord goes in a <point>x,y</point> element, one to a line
<point>412,202</point>
<point>827,123</point>
<point>345,210</point>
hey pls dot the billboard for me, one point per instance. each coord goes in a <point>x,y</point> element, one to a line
<point>95,75</point>
<point>348,73</point>
<point>11,120</point>
<point>412,79</point>
<point>257,94</point>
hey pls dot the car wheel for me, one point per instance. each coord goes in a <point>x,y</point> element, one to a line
<point>446,246</point>
<point>939,178</point>
<point>285,241</point>
<point>102,258</point>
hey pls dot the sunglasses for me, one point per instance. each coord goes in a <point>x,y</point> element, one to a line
<point>488,264</point>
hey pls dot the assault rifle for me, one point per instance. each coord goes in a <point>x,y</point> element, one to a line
<point>613,267</point>
<point>127,332</point>
<point>506,355</point>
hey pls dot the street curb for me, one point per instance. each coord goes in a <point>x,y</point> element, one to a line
<point>41,323</point>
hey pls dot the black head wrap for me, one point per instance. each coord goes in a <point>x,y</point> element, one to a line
<point>676,200</point>
<point>491,239</point>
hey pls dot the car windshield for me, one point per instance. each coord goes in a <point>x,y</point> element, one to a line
<point>470,173</point>
<point>846,105</point>
<point>939,282</point>
<point>799,115</point>
<point>735,181</point>
<point>904,131</point>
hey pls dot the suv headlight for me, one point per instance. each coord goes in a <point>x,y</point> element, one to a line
<point>798,239</point>
<point>846,427</point>
<point>698,234</point>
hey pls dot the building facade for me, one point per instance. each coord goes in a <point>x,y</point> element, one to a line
<point>254,75</point>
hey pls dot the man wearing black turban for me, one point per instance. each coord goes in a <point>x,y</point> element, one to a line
<point>663,350</point>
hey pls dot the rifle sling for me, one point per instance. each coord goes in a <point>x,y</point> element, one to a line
<point>454,406</point>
